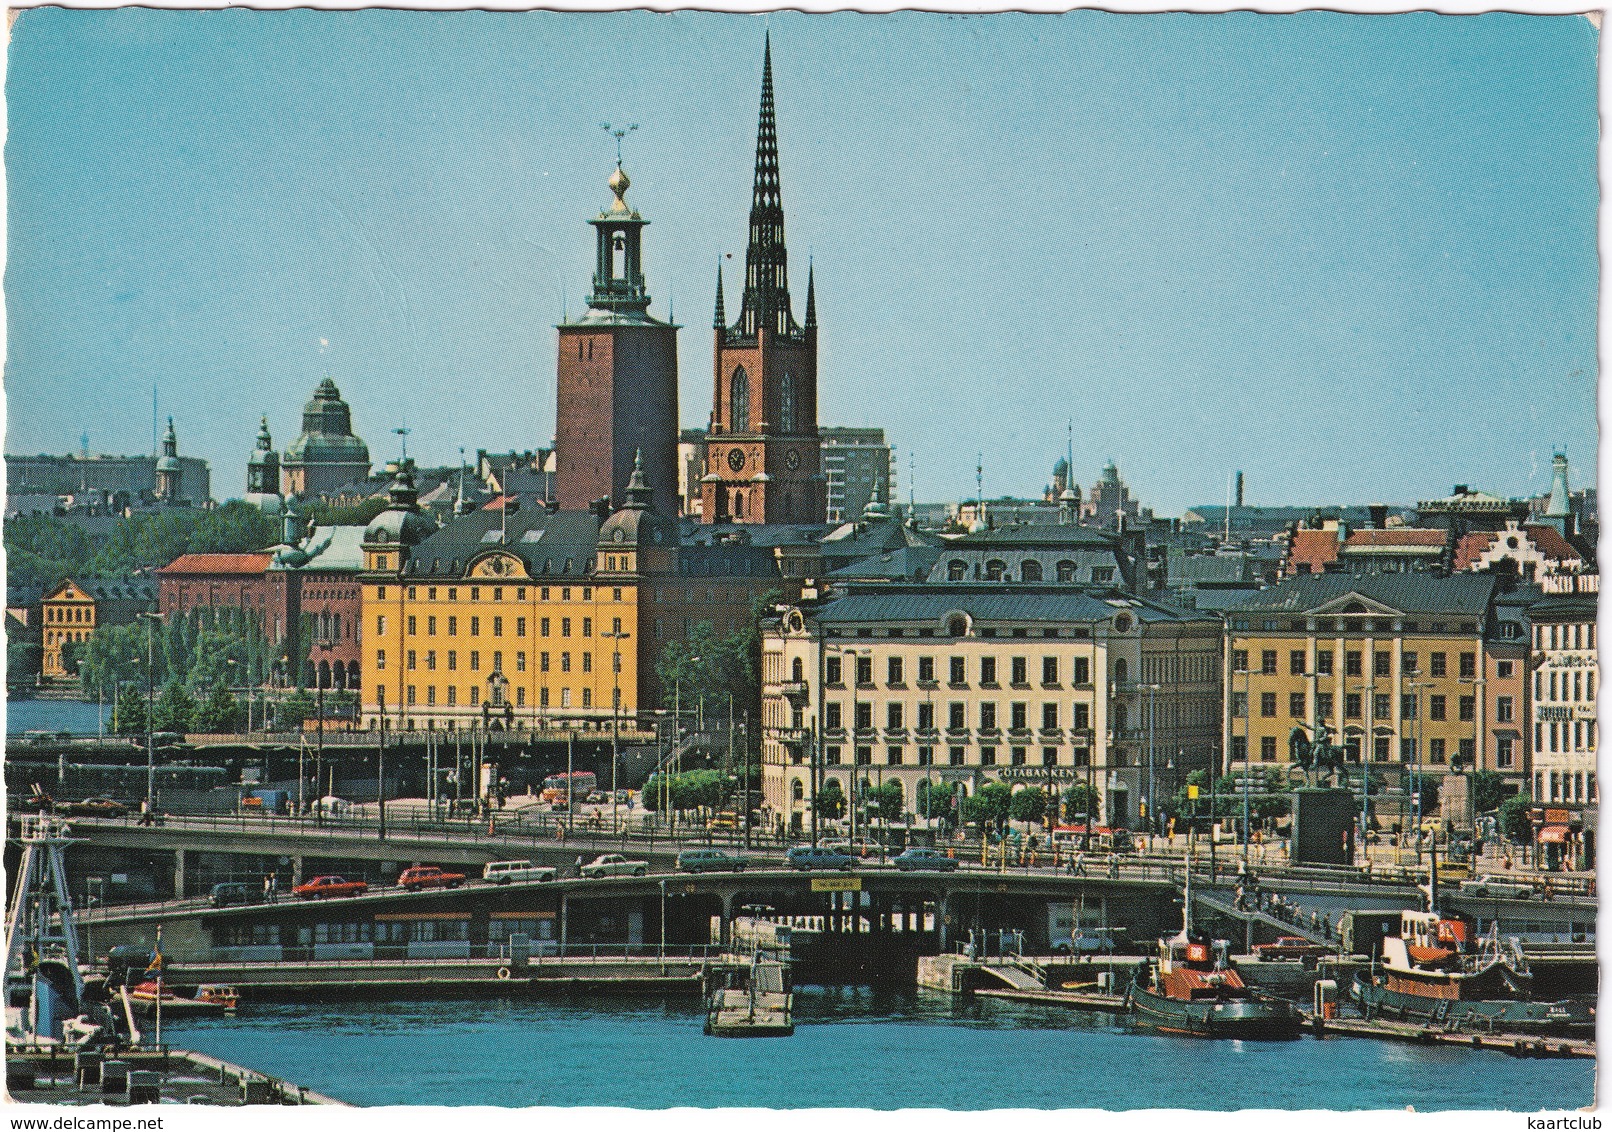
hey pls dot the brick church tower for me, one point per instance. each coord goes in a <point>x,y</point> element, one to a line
<point>617,375</point>
<point>763,460</point>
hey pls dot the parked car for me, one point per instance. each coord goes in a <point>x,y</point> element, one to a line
<point>1487,885</point>
<point>710,861</point>
<point>234,892</point>
<point>428,876</point>
<point>325,887</point>
<point>511,872</point>
<point>931,860</point>
<point>614,865</point>
<point>806,857</point>
<point>93,808</point>
<point>1291,947</point>
<point>597,799</point>
<point>853,848</point>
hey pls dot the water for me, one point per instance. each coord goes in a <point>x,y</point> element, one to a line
<point>851,1049</point>
<point>55,715</point>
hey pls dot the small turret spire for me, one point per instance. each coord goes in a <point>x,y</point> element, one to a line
<point>811,296</point>
<point>721,315</point>
<point>640,497</point>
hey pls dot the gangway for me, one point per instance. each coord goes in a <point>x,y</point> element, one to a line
<point>1249,916</point>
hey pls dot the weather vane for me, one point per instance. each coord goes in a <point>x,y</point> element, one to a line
<point>404,433</point>
<point>618,132</point>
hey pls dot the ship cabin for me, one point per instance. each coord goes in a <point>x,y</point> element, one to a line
<point>1193,967</point>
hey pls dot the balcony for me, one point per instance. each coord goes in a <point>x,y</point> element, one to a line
<point>795,691</point>
<point>957,734</point>
<point>926,734</point>
<point>1020,734</point>
<point>899,733</point>
<point>930,683</point>
<point>866,733</point>
<point>791,736</point>
<point>1051,734</point>
<point>991,732</point>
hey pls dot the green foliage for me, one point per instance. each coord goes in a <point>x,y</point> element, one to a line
<point>175,710</point>
<point>1487,789</point>
<point>688,790</point>
<point>706,668</point>
<point>884,801</point>
<point>989,805</point>
<point>219,714</point>
<point>1079,801</point>
<point>201,648</point>
<point>1514,817</point>
<point>22,659</point>
<point>129,711</point>
<point>42,550</point>
<point>290,712</point>
<point>937,800</point>
<point>830,800</point>
<point>1029,804</point>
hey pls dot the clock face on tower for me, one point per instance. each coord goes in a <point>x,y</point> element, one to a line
<point>736,459</point>
<point>792,460</point>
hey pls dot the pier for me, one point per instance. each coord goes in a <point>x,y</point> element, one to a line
<point>52,1073</point>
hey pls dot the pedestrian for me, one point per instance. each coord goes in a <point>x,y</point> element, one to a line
<point>145,811</point>
<point>268,887</point>
<point>579,864</point>
<point>1079,867</point>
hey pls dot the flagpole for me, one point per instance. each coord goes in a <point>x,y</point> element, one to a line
<point>159,986</point>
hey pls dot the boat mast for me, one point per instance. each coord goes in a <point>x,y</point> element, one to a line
<point>40,924</point>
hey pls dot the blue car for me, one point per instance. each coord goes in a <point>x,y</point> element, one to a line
<point>807,857</point>
<point>931,860</point>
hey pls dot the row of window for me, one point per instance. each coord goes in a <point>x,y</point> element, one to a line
<point>411,661</point>
<point>69,614</point>
<point>1030,570</point>
<point>496,697</point>
<point>1381,706</point>
<point>1581,636</point>
<point>1575,786</point>
<point>895,671</point>
<point>1382,748</point>
<point>1382,663</point>
<point>1346,625</point>
<point>544,593</point>
<point>545,626</point>
<point>1562,736</point>
<point>896,755</point>
<point>1581,689</point>
<point>956,718</point>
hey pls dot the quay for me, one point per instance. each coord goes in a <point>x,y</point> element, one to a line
<point>52,1073</point>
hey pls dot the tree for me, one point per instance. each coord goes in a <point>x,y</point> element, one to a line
<point>220,714</point>
<point>830,800</point>
<point>886,801</point>
<point>1487,789</point>
<point>1079,802</point>
<point>22,659</point>
<point>129,713</point>
<point>936,800</point>
<point>175,709</point>
<point>290,712</point>
<point>989,805</point>
<point>1514,818</point>
<point>1029,804</point>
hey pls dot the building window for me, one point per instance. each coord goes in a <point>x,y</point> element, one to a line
<point>926,670</point>
<point>959,674</point>
<point>1019,715</point>
<point>1467,751</point>
<point>893,717</point>
<point>1469,665</point>
<point>1436,664</point>
<point>956,717</point>
<point>520,661</point>
<point>410,663</point>
<point>1436,708</point>
<point>833,673</point>
<point>1296,706</point>
<point>1382,663</point>
<point>431,660</point>
<point>1503,752</point>
<point>1049,717</point>
<point>1407,749</point>
<point>1468,708</point>
<point>380,625</point>
<point>1379,748</point>
<point>520,626</point>
<point>1382,706</point>
<point>1081,671</point>
<point>1351,662</point>
<point>1267,748</point>
<point>987,717</point>
<point>380,660</point>
<point>1239,660</point>
<point>833,719</point>
<point>475,626</point>
<point>864,756</point>
<point>1408,662</point>
<point>1407,705</point>
<point>543,697</point>
<point>987,756</point>
<point>565,662</point>
<point>543,627</point>
<point>565,697</point>
<point>587,662</point>
<point>1323,705</point>
<point>475,663</point>
<point>988,672</point>
<point>864,671</point>
<point>1323,662</point>
<point>1435,750</point>
<point>587,697</point>
<point>498,662</point>
<point>893,670</point>
<point>430,626</point>
<point>431,695</point>
<point>1295,662</point>
<point>1267,662</point>
<point>453,697</point>
<point>1239,748</point>
<point>1503,712</point>
<point>739,400</point>
<point>565,626</point>
<point>1267,704</point>
<point>411,624</point>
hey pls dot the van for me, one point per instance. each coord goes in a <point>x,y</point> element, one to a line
<point>234,892</point>
<point>510,872</point>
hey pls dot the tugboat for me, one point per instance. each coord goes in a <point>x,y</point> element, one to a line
<point>1193,989</point>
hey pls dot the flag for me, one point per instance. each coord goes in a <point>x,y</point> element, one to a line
<point>155,966</point>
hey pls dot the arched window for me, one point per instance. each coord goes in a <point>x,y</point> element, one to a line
<point>797,671</point>
<point>739,401</point>
<point>738,504</point>
<point>797,791</point>
<point>1030,570</point>
<point>957,625</point>
<point>786,403</point>
<point>1066,571</point>
<point>995,570</point>
<point>956,570</point>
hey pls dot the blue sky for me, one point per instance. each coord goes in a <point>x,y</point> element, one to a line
<point>1353,256</point>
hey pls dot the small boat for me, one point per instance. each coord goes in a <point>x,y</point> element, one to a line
<point>209,999</point>
<point>755,1003</point>
<point>1432,973</point>
<point>1192,988</point>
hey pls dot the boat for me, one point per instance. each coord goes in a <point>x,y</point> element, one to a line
<point>1435,972</point>
<point>1192,988</point>
<point>753,1002</point>
<point>210,999</point>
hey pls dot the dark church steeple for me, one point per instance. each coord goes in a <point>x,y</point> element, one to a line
<point>766,260</point>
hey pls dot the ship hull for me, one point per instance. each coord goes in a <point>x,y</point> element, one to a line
<point>1234,1018</point>
<point>1566,1017</point>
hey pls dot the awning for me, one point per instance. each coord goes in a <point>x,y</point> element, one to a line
<point>1552,834</point>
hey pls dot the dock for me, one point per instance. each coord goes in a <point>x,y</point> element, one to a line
<point>1518,1045</point>
<point>760,1007</point>
<point>56,1074</point>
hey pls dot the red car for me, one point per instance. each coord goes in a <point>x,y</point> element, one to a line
<point>322,888</point>
<point>1291,947</point>
<point>428,876</point>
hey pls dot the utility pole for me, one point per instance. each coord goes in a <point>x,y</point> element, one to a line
<point>380,776</point>
<point>319,757</point>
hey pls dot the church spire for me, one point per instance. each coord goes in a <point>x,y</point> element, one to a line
<point>766,263</point>
<point>721,315</point>
<point>811,297</point>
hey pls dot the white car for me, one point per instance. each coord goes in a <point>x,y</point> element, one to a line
<point>614,865</point>
<point>510,872</point>
<point>1487,885</point>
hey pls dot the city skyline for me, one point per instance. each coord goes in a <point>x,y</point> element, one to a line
<point>1431,217</point>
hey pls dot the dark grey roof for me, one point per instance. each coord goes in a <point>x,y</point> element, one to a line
<point>1564,607</point>
<point>755,534</point>
<point>727,562</point>
<point>993,602</point>
<point>119,589</point>
<point>1037,534</point>
<point>1410,593</point>
<point>552,544</point>
<point>905,564</point>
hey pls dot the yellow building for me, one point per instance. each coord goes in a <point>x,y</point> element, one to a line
<point>527,619</point>
<point>73,610</point>
<point>1390,664</point>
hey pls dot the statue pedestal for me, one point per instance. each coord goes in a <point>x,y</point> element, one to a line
<point>1323,826</point>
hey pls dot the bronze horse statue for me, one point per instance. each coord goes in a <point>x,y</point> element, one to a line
<point>1319,756</point>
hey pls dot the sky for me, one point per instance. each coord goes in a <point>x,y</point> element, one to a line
<point>1352,256</point>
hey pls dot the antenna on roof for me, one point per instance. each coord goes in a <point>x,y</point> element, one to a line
<point>403,431</point>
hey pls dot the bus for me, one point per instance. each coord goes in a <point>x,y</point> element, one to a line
<point>581,783</point>
<point>1103,839</point>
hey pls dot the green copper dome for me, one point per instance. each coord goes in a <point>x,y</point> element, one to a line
<point>327,431</point>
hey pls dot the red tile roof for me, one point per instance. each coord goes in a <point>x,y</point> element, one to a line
<point>1472,547</point>
<point>1551,543</point>
<point>254,563</point>
<point>1315,548</point>
<point>1396,536</point>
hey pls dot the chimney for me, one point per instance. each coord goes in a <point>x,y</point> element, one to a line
<point>1460,489</point>
<point>1379,516</point>
<point>1239,489</point>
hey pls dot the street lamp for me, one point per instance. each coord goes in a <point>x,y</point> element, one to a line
<point>1417,687</point>
<point>151,758</point>
<point>615,636</point>
<point>1152,796</point>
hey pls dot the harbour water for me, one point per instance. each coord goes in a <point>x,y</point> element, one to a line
<point>55,715</point>
<point>852,1048</point>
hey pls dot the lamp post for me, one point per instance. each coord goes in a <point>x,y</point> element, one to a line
<point>151,757</point>
<point>1417,688</point>
<point>615,636</point>
<point>1152,792</point>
